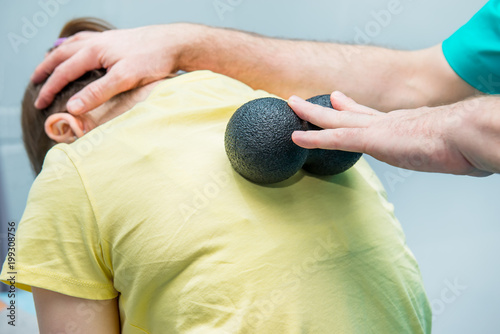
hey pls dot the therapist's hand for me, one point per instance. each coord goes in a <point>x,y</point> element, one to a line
<point>462,138</point>
<point>132,57</point>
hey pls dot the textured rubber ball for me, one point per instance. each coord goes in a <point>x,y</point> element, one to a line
<point>328,162</point>
<point>258,141</point>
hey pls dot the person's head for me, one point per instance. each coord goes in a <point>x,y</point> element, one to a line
<point>43,128</point>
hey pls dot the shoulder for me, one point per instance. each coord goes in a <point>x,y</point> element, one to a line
<point>59,184</point>
<point>207,84</point>
<point>57,163</point>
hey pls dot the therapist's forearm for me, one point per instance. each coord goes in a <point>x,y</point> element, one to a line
<point>381,78</point>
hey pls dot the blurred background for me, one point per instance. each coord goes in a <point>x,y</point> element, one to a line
<point>451,222</point>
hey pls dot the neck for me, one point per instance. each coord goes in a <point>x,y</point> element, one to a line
<point>118,105</point>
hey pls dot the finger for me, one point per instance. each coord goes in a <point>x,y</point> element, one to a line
<point>342,102</point>
<point>53,59</point>
<point>116,81</point>
<point>351,140</point>
<point>328,118</point>
<point>67,71</point>
<point>59,53</point>
<point>65,50</point>
<point>81,36</point>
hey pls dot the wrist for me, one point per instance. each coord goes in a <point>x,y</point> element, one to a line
<point>472,132</point>
<point>191,46</point>
<point>175,41</point>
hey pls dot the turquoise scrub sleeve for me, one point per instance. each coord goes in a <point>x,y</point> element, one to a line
<point>473,51</point>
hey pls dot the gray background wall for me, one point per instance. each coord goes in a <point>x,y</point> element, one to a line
<point>451,222</point>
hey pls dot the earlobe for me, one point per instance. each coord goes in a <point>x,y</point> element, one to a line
<point>63,128</point>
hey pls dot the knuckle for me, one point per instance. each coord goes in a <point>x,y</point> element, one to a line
<point>351,103</point>
<point>43,100</point>
<point>80,35</point>
<point>361,141</point>
<point>322,110</point>
<point>56,54</point>
<point>314,138</point>
<point>123,79</point>
<point>75,37</point>
<point>92,50</point>
<point>342,117</point>
<point>336,136</point>
<point>47,94</point>
<point>345,139</point>
<point>93,91</point>
<point>60,74</point>
<point>310,139</point>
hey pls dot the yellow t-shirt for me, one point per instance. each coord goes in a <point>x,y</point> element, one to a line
<point>147,208</point>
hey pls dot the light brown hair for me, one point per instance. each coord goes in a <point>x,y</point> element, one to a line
<point>36,141</point>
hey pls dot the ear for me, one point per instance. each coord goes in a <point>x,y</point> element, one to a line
<point>63,128</point>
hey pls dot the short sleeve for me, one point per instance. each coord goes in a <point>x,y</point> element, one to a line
<point>473,51</point>
<point>57,243</point>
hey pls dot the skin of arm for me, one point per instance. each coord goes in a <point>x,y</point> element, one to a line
<point>382,78</point>
<point>459,138</point>
<point>58,313</point>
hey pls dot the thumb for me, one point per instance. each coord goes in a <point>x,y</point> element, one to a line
<point>99,92</point>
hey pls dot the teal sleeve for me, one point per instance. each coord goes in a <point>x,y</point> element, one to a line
<point>473,51</point>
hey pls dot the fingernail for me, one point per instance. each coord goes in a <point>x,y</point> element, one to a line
<point>37,103</point>
<point>295,99</point>
<point>338,94</point>
<point>75,106</point>
<point>32,79</point>
<point>298,136</point>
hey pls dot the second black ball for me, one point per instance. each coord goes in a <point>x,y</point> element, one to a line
<point>328,162</point>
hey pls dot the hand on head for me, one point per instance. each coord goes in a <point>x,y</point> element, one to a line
<point>132,58</point>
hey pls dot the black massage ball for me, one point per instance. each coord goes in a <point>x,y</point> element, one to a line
<point>259,144</point>
<point>328,162</point>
